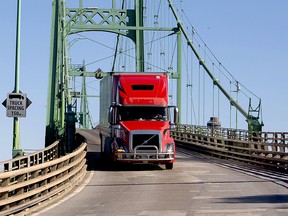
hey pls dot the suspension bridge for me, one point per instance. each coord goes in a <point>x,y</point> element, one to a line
<point>147,36</point>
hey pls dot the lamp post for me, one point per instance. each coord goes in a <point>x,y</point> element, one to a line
<point>16,151</point>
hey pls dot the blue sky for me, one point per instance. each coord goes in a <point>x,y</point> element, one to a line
<point>249,37</point>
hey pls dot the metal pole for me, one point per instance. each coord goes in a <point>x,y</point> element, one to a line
<point>139,36</point>
<point>16,124</point>
<point>179,72</point>
<point>83,109</point>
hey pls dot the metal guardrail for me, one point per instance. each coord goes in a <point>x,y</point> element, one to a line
<point>268,149</point>
<point>31,179</point>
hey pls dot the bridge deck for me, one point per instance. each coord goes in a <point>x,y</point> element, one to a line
<point>198,185</point>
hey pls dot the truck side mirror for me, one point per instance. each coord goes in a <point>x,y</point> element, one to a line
<point>176,115</point>
<point>112,115</point>
<point>173,115</point>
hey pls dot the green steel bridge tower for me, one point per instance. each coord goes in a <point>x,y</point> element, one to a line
<point>68,21</point>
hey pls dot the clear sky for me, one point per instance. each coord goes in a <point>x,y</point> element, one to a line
<point>249,37</point>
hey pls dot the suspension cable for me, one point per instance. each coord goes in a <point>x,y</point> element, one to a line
<point>225,69</point>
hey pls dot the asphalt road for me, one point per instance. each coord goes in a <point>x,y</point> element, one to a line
<point>197,185</point>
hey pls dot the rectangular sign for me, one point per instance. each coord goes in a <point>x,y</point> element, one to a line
<point>16,105</point>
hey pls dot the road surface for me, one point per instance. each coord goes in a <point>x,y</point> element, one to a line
<point>197,185</point>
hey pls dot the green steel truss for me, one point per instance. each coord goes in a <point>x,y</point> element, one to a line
<point>68,21</point>
<point>125,22</point>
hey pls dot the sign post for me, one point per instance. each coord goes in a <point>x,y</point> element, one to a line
<point>16,105</point>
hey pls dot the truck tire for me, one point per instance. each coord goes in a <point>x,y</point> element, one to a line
<point>101,144</point>
<point>169,166</point>
<point>107,147</point>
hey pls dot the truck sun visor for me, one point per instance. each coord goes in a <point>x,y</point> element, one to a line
<point>142,87</point>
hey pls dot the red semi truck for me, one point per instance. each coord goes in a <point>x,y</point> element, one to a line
<point>135,119</point>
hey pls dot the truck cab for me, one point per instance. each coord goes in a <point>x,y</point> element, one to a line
<point>139,119</point>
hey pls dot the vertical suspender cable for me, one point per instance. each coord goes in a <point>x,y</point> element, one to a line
<point>213,98</point>
<point>187,86</point>
<point>199,92</point>
<point>230,110</point>
<point>219,118</point>
<point>204,86</point>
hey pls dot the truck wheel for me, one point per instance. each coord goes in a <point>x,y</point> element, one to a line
<point>101,143</point>
<point>169,166</point>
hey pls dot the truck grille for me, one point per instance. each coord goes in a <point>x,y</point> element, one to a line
<point>146,140</point>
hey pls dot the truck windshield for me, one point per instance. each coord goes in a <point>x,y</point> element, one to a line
<point>145,113</point>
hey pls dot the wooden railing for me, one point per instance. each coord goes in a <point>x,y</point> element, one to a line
<point>31,179</point>
<point>39,157</point>
<point>268,149</point>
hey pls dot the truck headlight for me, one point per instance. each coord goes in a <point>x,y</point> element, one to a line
<point>169,148</point>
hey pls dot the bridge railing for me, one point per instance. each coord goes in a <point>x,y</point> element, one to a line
<point>31,179</point>
<point>262,148</point>
<point>38,157</point>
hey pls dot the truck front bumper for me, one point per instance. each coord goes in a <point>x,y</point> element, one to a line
<point>145,156</point>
